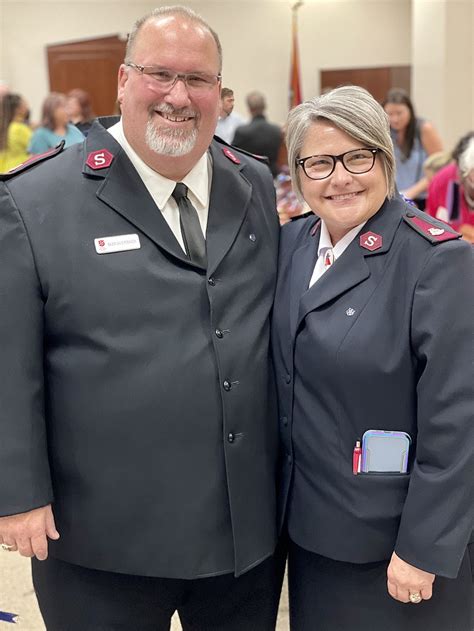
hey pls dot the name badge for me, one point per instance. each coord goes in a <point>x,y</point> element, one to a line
<point>119,243</point>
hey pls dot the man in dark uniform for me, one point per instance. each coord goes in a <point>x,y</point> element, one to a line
<point>139,433</point>
<point>259,136</point>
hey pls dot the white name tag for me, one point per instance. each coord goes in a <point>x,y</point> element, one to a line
<point>119,243</point>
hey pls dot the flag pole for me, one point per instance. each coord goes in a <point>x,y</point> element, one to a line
<point>295,96</point>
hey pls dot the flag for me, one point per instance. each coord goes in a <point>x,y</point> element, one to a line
<point>295,82</point>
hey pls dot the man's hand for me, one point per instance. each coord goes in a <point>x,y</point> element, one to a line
<point>404,579</point>
<point>28,532</point>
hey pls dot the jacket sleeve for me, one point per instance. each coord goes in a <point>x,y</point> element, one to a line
<point>438,516</point>
<point>25,479</point>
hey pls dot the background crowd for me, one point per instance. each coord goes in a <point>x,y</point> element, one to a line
<point>433,177</point>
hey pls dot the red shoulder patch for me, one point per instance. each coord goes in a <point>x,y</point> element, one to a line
<point>231,155</point>
<point>100,159</point>
<point>432,232</point>
<point>36,159</point>
<point>371,241</point>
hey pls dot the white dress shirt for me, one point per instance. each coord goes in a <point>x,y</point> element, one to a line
<point>227,125</point>
<point>198,181</point>
<point>325,246</point>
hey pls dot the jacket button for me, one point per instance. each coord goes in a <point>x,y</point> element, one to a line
<point>252,237</point>
<point>219,334</point>
<point>284,420</point>
<point>211,281</point>
<point>230,437</point>
<point>227,385</point>
<point>288,378</point>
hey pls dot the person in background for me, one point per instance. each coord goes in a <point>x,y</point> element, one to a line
<point>228,119</point>
<point>138,414</point>
<point>79,109</point>
<point>451,191</point>
<point>435,162</point>
<point>15,134</point>
<point>259,136</point>
<point>414,139</point>
<point>55,126</point>
<point>288,205</point>
<point>372,330</point>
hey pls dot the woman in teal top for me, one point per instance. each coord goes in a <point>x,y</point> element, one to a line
<point>55,126</point>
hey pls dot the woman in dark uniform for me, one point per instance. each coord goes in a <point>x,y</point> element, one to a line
<point>372,331</point>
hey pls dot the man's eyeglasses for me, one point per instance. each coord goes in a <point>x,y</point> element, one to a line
<point>356,161</point>
<point>194,81</point>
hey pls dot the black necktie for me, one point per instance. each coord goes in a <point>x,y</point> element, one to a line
<point>190,227</point>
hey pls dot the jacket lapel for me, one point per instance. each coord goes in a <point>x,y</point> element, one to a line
<point>123,190</point>
<point>353,267</point>
<point>348,271</point>
<point>302,266</point>
<point>228,204</point>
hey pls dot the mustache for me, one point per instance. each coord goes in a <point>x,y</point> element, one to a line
<point>166,108</point>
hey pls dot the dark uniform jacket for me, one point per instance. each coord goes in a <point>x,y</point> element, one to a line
<point>136,392</point>
<point>262,138</point>
<point>382,341</point>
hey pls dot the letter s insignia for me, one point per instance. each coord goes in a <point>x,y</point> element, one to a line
<point>371,241</point>
<point>99,159</point>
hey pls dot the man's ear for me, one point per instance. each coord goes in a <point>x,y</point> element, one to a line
<point>122,80</point>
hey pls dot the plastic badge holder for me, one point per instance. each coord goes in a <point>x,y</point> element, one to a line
<point>385,451</point>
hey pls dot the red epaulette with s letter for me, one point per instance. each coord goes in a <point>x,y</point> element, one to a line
<point>433,231</point>
<point>24,166</point>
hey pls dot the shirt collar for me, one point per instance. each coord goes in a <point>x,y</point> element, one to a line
<point>325,242</point>
<point>197,180</point>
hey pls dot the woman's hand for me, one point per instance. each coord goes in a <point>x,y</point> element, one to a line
<point>416,189</point>
<point>404,579</point>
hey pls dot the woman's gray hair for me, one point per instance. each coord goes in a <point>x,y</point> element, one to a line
<point>174,10</point>
<point>354,111</point>
<point>466,159</point>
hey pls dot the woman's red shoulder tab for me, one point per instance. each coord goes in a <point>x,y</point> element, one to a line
<point>431,229</point>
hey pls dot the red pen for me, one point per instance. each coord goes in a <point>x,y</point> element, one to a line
<point>356,457</point>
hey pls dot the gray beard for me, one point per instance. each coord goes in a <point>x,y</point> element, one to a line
<point>173,143</point>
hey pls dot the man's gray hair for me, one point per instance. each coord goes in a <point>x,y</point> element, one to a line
<point>173,10</point>
<point>256,102</point>
<point>466,159</point>
<point>354,111</point>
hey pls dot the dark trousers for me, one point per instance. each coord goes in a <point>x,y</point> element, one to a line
<point>328,595</point>
<point>74,598</point>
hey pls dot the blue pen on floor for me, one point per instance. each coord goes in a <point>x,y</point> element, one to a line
<point>8,617</point>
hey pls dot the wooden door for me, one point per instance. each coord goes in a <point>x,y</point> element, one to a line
<point>377,81</point>
<point>91,65</point>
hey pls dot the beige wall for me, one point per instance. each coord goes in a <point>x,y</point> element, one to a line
<point>255,35</point>
<point>443,64</point>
